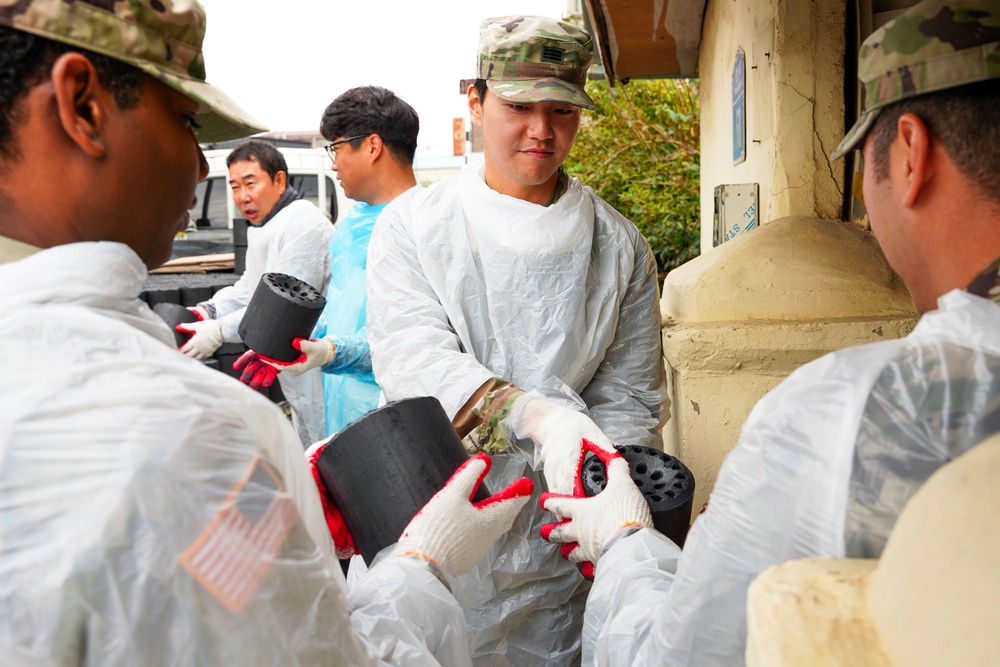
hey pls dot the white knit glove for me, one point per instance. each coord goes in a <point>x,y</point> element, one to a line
<point>206,340</point>
<point>316,352</point>
<point>559,434</point>
<point>455,533</point>
<point>588,523</point>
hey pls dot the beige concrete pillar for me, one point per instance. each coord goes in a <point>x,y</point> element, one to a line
<point>741,317</point>
<point>795,116</point>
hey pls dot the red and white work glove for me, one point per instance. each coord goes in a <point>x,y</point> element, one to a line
<point>560,434</point>
<point>256,372</point>
<point>206,335</point>
<point>260,371</point>
<point>201,312</point>
<point>316,352</point>
<point>452,531</point>
<point>587,524</point>
<point>343,542</point>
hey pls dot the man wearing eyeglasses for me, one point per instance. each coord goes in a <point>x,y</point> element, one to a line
<point>287,234</point>
<point>373,135</point>
<point>529,307</point>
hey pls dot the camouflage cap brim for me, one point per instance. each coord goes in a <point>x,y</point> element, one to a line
<point>934,45</point>
<point>163,40</point>
<point>219,118</point>
<point>530,91</point>
<point>532,59</point>
<point>856,135</point>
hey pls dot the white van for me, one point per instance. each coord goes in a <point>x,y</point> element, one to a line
<point>308,172</point>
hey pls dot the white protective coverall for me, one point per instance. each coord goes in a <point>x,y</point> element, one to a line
<point>156,512</point>
<point>466,284</point>
<point>293,242</point>
<point>824,465</point>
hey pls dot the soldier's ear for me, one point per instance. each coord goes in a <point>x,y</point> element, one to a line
<point>475,106</point>
<point>916,159</point>
<point>82,103</point>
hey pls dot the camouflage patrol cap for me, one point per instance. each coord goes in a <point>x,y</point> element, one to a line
<point>535,59</point>
<point>934,45</point>
<point>160,37</point>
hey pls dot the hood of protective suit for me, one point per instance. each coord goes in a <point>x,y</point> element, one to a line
<point>103,276</point>
<point>825,463</point>
<point>154,511</point>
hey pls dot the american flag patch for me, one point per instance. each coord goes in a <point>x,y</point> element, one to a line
<point>237,548</point>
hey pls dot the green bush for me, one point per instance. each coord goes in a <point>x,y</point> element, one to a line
<point>639,151</point>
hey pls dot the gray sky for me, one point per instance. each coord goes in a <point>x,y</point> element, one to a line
<point>285,67</point>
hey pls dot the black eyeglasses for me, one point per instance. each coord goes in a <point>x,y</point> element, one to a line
<point>331,149</point>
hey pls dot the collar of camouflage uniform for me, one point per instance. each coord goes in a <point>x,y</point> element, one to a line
<point>987,283</point>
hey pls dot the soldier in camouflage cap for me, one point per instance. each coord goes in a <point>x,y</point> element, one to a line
<point>117,543</point>
<point>517,296</point>
<point>160,37</point>
<point>935,45</point>
<point>827,460</point>
<point>535,59</point>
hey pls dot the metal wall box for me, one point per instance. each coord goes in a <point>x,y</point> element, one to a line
<point>735,211</point>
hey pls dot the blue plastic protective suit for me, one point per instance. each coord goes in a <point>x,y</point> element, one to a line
<point>466,284</point>
<point>156,512</point>
<point>349,388</point>
<point>824,465</point>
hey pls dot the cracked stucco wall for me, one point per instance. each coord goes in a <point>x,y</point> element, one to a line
<point>741,317</point>
<point>794,103</point>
